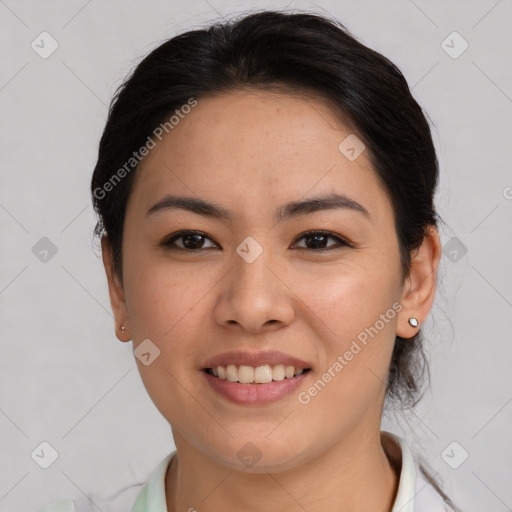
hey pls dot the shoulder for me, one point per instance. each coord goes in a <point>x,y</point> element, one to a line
<point>65,505</point>
<point>415,493</point>
<point>150,497</point>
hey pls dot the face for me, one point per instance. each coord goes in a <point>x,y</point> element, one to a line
<point>253,282</point>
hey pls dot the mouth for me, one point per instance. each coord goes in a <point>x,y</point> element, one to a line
<point>263,374</point>
<point>255,385</point>
<point>252,378</point>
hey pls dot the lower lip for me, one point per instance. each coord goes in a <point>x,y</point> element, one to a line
<point>255,394</point>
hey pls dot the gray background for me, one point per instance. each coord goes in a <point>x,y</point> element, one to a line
<point>65,378</point>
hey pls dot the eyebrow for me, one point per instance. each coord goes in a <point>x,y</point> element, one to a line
<point>292,209</point>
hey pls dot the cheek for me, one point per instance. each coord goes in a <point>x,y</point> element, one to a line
<point>355,320</point>
<point>346,299</point>
<point>163,299</point>
<point>165,307</point>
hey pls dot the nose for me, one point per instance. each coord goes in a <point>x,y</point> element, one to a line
<point>254,296</point>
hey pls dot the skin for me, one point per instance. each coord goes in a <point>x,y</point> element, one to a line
<point>250,151</point>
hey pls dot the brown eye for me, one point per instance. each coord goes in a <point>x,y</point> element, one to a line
<point>316,241</point>
<point>191,241</point>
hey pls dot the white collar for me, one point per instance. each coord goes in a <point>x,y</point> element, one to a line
<point>414,494</point>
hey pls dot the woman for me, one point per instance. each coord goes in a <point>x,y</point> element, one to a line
<point>265,198</point>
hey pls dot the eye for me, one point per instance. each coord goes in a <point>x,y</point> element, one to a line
<point>316,241</point>
<point>192,241</point>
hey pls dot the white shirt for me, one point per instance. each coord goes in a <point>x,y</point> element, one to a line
<point>414,494</point>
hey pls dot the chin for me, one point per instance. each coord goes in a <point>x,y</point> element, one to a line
<point>259,456</point>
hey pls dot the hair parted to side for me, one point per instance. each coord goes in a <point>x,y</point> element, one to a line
<point>295,53</point>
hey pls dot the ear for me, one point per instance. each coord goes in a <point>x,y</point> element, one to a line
<point>420,286</point>
<point>115,290</point>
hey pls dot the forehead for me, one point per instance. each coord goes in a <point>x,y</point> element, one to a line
<point>269,146</point>
<point>267,126</point>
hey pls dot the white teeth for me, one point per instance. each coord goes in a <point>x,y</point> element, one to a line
<point>262,374</point>
<point>278,372</point>
<point>245,374</point>
<point>259,374</point>
<point>231,373</point>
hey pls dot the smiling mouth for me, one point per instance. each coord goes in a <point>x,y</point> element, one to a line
<point>264,374</point>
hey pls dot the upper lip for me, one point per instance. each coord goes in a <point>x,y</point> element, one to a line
<point>271,357</point>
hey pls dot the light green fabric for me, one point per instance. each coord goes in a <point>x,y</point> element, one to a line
<point>66,505</point>
<point>151,497</point>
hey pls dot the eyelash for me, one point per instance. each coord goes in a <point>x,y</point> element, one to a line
<point>169,242</point>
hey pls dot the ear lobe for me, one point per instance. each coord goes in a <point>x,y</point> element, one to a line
<point>115,288</point>
<point>420,286</point>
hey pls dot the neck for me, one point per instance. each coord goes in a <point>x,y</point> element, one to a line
<point>354,475</point>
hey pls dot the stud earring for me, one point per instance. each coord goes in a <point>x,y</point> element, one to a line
<point>123,328</point>
<point>413,321</point>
